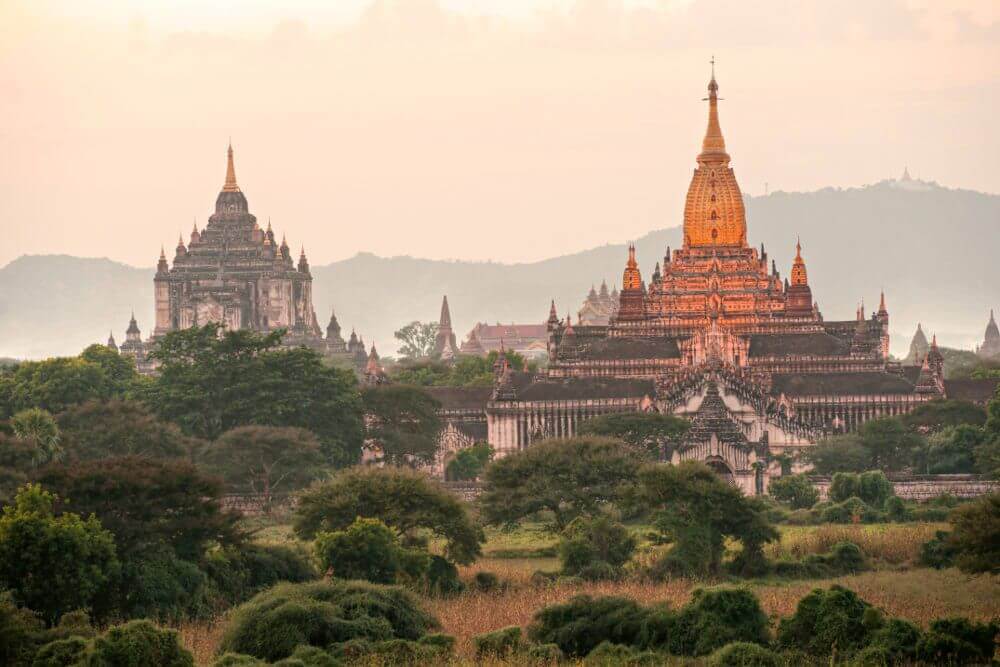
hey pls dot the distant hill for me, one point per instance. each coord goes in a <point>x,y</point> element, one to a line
<point>933,249</point>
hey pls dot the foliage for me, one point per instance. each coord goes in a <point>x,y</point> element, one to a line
<point>880,444</point>
<point>264,459</point>
<point>842,558</point>
<point>852,510</point>
<point>402,424</point>
<point>403,499</point>
<point>952,450</point>
<point>649,435</point>
<point>841,453</point>
<point>825,620</point>
<point>607,654</point>
<point>744,654</point>
<point>873,487</point>
<point>696,510</point>
<point>138,643</point>
<point>120,370</point>
<point>499,643</point>
<point>369,550</point>
<point>940,414</point>
<point>20,632</point>
<point>211,381</point>
<point>17,459</point>
<point>52,564</point>
<point>975,535</point>
<point>146,502</point>
<point>38,426</point>
<point>938,552</point>
<point>469,462</point>
<point>236,574</point>
<point>716,617</point>
<point>55,384</point>
<point>442,577</point>
<point>595,548</point>
<point>796,490</point>
<point>104,429</point>
<point>578,625</point>
<point>273,623</point>
<point>958,641</point>
<point>487,582</point>
<point>403,652</point>
<point>569,478</point>
<point>157,584</point>
<point>896,640</point>
<point>417,339</point>
<point>466,371</point>
<point>61,653</point>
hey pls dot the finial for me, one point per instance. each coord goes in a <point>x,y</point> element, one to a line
<point>798,247</point>
<point>230,184</point>
<point>712,61</point>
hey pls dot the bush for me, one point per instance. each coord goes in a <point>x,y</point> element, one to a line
<point>445,643</point>
<point>159,585</point>
<point>958,641</point>
<point>796,490</point>
<point>499,643</point>
<point>976,535</point>
<point>547,653</point>
<point>486,582</point>
<point>238,660</point>
<point>52,564</point>
<point>138,643</point>
<point>607,654</point>
<point>370,550</point>
<point>595,548</point>
<point>896,641</point>
<point>273,623</point>
<point>744,654</point>
<point>20,630</point>
<point>309,656</point>
<point>896,510</point>
<point>825,619</point>
<point>716,617</point>
<point>852,510</point>
<point>61,653</point>
<point>237,574</point>
<point>442,577</point>
<point>580,624</point>
<point>938,552</point>
<point>843,558</point>
<point>873,487</point>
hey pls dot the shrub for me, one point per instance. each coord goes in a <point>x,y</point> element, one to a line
<point>852,510</point>
<point>238,660</point>
<point>958,640</point>
<point>595,548</point>
<point>309,656</point>
<point>445,643</point>
<point>896,641</point>
<point>499,643</point>
<point>843,558</point>
<point>138,643</point>
<point>716,617</point>
<point>19,632</point>
<point>273,623</point>
<point>370,550</point>
<point>607,654</point>
<point>238,574</point>
<point>975,535</point>
<point>547,653</point>
<point>486,582</point>
<point>873,487</point>
<point>442,577</point>
<point>744,654</point>
<point>825,619</point>
<point>938,552</point>
<point>796,490</point>
<point>61,653</point>
<point>580,624</point>
<point>52,564</point>
<point>895,509</point>
<point>159,585</point>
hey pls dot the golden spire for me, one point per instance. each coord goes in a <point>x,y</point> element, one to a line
<point>799,276</point>
<point>713,147</point>
<point>230,185</point>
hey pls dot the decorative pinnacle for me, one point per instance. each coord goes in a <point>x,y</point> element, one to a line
<point>230,184</point>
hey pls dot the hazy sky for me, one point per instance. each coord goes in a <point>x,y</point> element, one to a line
<point>481,129</point>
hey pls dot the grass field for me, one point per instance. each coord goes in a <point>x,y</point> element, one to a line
<point>896,585</point>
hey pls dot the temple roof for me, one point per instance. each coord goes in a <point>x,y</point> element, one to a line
<point>461,398</point>
<point>781,345</point>
<point>630,348</point>
<point>814,384</point>
<point>976,391</point>
<point>579,389</point>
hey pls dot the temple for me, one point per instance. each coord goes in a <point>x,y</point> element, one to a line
<point>990,349</point>
<point>236,274</point>
<point>716,335</point>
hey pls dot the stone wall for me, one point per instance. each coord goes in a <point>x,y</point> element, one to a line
<point>924,487</point>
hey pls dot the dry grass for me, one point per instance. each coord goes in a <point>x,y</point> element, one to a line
<point>892,543</point>
<point>202,638</point>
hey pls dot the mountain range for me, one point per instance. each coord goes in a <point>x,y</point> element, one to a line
<point>933,250</point>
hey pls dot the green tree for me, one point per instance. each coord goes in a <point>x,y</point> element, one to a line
<point>417,339</point>
<point>889,443</point>
<point>402,424</point>
<point>52,564</point>
<point>403,499</point>
<point>264,459</point>
<point>369,550</point>
<point>697,511</point>
<point>38,426</point>
<point>105,429</point>
<point>796,490</point>
<point>940,414</point>
<point>120,370</point>
<point>595,548</point>
<point>975,535</point>
<point>211,381</point>
<point>569,478</point>
<point>146,503</point>
<point>841,453</point>
<point>649,434</point>
<point>952,450</point>
<point>17,459</point>
<point>468,462</point>
<point>138,643</point>
<point>55,384</point>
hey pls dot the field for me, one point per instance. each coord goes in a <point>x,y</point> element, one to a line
<point>895,585</point>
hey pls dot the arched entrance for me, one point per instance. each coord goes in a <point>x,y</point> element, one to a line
<point>720,468</point>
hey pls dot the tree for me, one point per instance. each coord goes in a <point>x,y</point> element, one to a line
<point>952,450</point>
<point>17,460</point>
<point>595,548</point>
<point>211,381</point>
<point>403,499</point>
<point>120,370</point>
<point>52,564</point>
<point>889,443</point>
<point>940,414</point>
<point>696,510</point>
<point>38,426</point>
<point>55,384</point>
<point>569,478</point>
<point>975,535</point>
<point>417,339</point>
<point>468,462</point>
<point>264,459</point>
<point>146,503</point>
<point>402,424</point>
<point>105,429</point>
<point>796,490</point>
<point>842,453</point>
<point>649,434</point>
<point>369,550</point>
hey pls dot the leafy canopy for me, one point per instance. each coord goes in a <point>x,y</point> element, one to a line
<point>417,339</point>
<point>402,424</point>
<point>105,429</point>
<point>468,462</point>
<point>648,434</point>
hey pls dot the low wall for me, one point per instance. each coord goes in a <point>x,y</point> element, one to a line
<point>924,487</point>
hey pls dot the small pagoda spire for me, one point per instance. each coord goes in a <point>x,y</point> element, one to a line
<point>230,184</point>
<point>799,274</point>
<point>882,310</point>
<point>553,316</point>
<point>713,147</point>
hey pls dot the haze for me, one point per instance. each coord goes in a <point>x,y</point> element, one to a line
<point>493,129</point>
